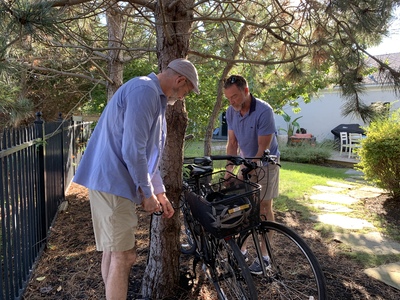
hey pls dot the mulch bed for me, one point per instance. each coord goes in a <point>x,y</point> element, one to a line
<point>70,266</point>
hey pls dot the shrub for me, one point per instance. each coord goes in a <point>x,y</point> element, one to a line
<point>380,152</point>
<point>305,153</point>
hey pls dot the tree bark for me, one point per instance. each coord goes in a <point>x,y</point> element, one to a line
<point>115,54</point>
<point>162,272</point>
<point>161,278</point>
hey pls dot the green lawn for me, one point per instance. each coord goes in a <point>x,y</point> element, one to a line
<point>297,181</point>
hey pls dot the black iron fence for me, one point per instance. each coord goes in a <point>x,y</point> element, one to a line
<point>37,164</point>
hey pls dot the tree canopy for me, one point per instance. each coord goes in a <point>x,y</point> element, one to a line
<point>287,48</point>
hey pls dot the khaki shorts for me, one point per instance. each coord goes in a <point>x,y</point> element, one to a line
<point>268,178</point>
<point>114,221</point>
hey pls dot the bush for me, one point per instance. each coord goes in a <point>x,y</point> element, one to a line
<point>380,152</point>
<point>305,153</point>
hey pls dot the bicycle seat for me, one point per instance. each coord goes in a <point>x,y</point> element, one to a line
<point>199,170</point>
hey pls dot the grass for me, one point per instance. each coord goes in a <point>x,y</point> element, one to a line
<point>369,260</point>
<point>196,149</point>
<point>296,184</point>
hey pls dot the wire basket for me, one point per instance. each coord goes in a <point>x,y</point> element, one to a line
<point>225,211</point>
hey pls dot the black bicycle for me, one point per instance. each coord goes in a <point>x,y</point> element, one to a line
<point>290,270</point>
<point>213,214</point>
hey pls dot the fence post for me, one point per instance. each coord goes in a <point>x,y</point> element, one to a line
<point>62,127</point>
<point>41,191</point>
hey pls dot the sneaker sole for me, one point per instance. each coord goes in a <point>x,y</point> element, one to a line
<point>268,267</point>
<point>256,273</point>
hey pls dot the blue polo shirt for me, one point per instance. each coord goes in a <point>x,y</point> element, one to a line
<point>125,148</point>
<point>258,121</point>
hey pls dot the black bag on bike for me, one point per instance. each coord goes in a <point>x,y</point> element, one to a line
<point>221,214</point>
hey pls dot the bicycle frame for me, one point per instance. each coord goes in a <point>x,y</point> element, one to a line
<point>222,260</point>
<point>202,169</point>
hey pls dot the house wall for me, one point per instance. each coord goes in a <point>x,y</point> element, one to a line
<point>323,113</point>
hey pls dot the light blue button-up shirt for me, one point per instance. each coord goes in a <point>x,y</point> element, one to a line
<point>125,148</point>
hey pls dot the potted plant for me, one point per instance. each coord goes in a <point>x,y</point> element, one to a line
<point>291,125</point>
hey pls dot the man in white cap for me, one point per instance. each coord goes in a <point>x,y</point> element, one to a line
<point>120,165</point>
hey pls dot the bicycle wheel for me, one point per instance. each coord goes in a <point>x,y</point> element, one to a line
<point>187,240</point>
<point>230,274</point>
<point>293,271</point>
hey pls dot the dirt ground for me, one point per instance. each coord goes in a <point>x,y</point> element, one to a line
<point>70,266</point>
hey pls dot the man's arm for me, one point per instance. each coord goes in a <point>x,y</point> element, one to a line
<point>264,142</point>
<point>231,148</point>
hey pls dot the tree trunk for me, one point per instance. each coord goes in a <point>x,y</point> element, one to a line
<point>161,278</point>
<point>162,272</point>
<point>216,111</point>
<point>115,55</point>
<point>218,104</point>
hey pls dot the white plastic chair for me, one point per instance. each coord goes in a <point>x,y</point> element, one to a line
<point>354,142</point>
<point>344,143</point>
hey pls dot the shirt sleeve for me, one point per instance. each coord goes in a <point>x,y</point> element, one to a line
<point>157,183</point>
<point>266,122</point>
<point>140,114</point>
<point>228,117</point>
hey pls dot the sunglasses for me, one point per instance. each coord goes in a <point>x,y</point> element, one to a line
<point>239,81</point>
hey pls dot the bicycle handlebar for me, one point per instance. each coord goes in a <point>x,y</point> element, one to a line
<point>236,160</point>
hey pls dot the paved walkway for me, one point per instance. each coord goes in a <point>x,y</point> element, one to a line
<point>333,201</point>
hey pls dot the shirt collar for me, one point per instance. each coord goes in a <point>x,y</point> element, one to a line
<point>252,104</point>
<point>154,77</point>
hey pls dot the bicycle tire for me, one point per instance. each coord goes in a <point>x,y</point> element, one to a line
<point>187,241</point>
<point>293,271</point>
<point>230,274</point>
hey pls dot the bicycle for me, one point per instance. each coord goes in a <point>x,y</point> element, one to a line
<point>293,271</point>
<point>214,245</point>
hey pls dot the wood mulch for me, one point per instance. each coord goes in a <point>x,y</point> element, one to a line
<point>70,266</point>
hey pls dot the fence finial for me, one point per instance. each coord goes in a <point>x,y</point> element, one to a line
<point>39,116</point>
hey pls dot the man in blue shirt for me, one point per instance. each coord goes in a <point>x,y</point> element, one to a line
<point>251,131</point>
<point>120,165</point>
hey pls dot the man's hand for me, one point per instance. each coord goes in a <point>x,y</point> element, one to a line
<point>151,204</point>
<point>229,178</point>
<point>166,205</point>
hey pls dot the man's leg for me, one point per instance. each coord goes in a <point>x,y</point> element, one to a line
<point>266,209</point>
<point>269,181</point>
<point>114,224</point>
<point>270,184</point>
<point>105,265</point>
<point>117,267</point>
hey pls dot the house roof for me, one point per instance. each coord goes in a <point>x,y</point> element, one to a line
<point>393,60</point>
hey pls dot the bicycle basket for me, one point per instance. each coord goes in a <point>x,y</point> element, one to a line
<point>226,211</point>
